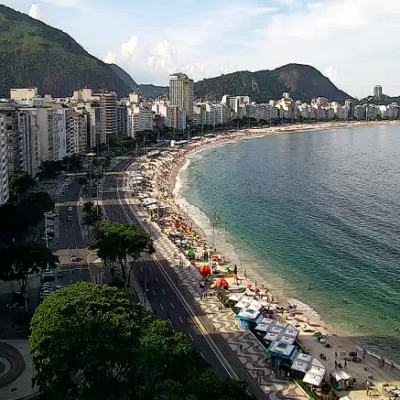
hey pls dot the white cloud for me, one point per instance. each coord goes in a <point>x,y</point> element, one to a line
<point>130,47</point>
<point>151,59</point>
<point>110,58</point>
<point>36,12</point>
<point>354,35</point>
<point>353,42</point>
<point>332,73</point>
<point>78,4</point>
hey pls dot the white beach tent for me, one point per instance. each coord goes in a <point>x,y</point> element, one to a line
<point>264,303</point>
<point>235,297</point>
<point>262,327</point>
<point>287,339</point>
<point>242,304</point>
<point>255,305</point>
<point>271,337</point>
<point>265,320</point>
<point>300,366</point>
<point>291,331</point>
<point>314,376</point>
<point>275,329</point>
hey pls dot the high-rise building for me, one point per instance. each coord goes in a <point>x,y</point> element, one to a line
<point>122,121</point>
<point>48,125</point>
<point>80,131</point>
<point>181,93</point>
<point>108,115</point>
<point>4,193</point>
<point>377,91</point>
<point>141,119</point>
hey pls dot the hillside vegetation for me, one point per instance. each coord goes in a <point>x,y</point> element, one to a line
<point>35,54</point>
<point>301,81</point>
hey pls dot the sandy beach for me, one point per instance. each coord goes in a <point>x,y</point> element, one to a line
<point>165,175</point>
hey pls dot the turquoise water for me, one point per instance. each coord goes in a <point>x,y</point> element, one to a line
<point>320,211</point>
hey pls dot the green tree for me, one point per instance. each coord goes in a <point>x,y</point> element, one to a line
<point>115,242</point>
<point>19,261</point>
<point>20,183</point>
<point>91,215</point>
<point>84,343</point>
<point>71,163</point>
<point>17,220</point>
<point>49,169</point>
<point>88,342</point>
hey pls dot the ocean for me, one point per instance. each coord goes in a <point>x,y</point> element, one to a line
<point>316,214</point>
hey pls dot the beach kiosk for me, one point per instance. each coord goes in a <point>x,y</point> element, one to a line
<point>341,380</point>
<point>282,354</point>
<point>247,318</point>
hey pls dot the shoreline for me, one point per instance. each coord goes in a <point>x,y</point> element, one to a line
<point>174,186</point>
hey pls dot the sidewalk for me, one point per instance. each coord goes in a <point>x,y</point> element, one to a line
<point>244,345</point>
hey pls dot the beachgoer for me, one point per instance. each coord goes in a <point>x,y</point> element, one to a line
<point>345,363</point>
<point>335,364</point>
<point>335,354</point>
<point>245,274</point>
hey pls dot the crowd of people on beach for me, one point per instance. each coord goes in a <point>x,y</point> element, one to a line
<point>160,172</point>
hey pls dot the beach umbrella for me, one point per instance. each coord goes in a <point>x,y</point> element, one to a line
<point>222,284</point>
<point>205,270</point>
<point>191,255</point>
<point>249,286</point>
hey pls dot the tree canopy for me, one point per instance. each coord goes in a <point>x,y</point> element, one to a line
<point>21,260</point>
<point>20,183</point>
<point>17,219</point>
<point>88,342</point>
<point>115,242</point>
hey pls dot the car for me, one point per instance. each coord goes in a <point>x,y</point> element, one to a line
<point>50,231</point>
<point>50,222</point>
<point>69,217</point>
<point>73,258</point>
<point>70,208</point>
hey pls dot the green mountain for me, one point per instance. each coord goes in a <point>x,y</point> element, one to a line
<point>384,100</point>
<point>35,54</point>
<point>303,82</point>
<point>124,76</point>
<point>153,91</point>
<point>148,90</point>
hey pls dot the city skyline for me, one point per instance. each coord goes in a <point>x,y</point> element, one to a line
<point>154,40</point>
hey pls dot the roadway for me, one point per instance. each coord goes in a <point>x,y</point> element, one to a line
<point>70,236</point>
<point>173,302</point>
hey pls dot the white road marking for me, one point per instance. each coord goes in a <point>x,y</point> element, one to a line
<point>141,268</point>
<point>191,337</point>
<point>170,321</point>
<point>154,293</point>
<point>180,319</point>
<point>156,279</point>
<point>164,292</point>
<point>150,269</point>
<point>172,305</point>
<point>161,306</point>
<point>202,355</point>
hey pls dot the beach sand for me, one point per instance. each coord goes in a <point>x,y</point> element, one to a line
<point>340,342</point>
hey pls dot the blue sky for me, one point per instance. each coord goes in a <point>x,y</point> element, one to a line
<point>353,42</point>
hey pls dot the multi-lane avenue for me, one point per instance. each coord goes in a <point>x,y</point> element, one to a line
<point>169,300</point>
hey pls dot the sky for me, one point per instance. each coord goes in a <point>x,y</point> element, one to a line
<point>355,43</point>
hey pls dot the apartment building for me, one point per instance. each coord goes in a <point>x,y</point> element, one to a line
<point>4,191</point>
<point>181,93</point>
